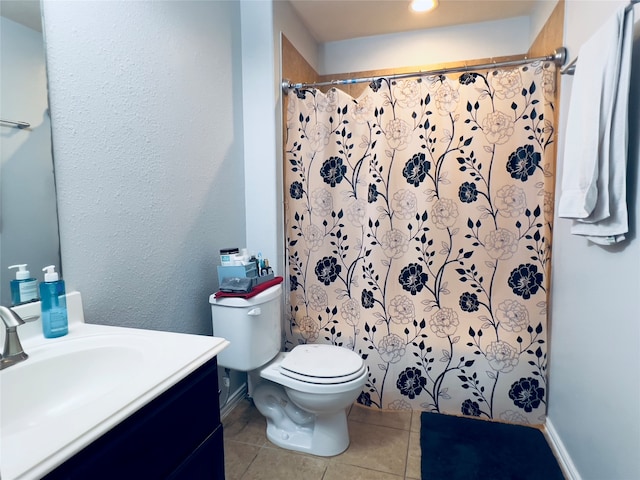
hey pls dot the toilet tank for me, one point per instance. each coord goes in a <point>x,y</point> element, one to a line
<point>253,326</point>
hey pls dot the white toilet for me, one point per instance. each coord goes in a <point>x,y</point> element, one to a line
<point>305,393</point>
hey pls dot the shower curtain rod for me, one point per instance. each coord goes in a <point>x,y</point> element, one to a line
<point>559,56</point>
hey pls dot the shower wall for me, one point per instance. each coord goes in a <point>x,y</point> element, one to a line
<point>549,39</point>
<point>452,44</point>
<point>424,47</point>
<point>294,66</point>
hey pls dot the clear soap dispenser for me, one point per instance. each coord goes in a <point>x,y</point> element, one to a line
<point>54,304</point>
<point>24,288</point>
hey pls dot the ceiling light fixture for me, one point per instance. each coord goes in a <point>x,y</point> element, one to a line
<point>423,5</point>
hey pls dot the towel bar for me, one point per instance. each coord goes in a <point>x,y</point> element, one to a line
<point>570,69</point>
<point>16,124</point>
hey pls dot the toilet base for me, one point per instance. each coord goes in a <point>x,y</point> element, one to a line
<point>292,428</point>
<point>329,436</point>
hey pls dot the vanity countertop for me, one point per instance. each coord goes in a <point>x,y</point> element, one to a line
<point>73,389</point>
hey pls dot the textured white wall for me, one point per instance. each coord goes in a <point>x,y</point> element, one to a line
<point>147,128</point>
<point>427,47</point>
<point>594,399</point>
<point>28,223</point>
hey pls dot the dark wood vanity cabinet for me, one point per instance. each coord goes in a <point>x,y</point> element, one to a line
<point>176,436</point>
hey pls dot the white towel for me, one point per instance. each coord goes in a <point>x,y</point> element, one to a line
<point>593,190</point>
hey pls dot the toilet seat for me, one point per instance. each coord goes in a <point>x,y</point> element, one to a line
<point>322,364</point>
<point>309,384</point>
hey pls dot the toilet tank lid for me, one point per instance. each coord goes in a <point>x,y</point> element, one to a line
<point>263,297</point>
<point>322,361</point>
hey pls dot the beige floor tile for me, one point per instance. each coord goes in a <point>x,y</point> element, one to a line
<point>237,458</point>
<point>349,472</point>
<point>280,464</point>
<point>245,424</point>
<point>413,456</point>
<point>385,445</point>
<point>375,447</point>
<point>239,410</point>
<point>386,418</point>
<point>415,420</point>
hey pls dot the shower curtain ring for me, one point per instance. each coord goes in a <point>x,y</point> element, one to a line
<point>494,63</point>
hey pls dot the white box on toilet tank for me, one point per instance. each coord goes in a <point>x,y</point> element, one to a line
<point>252,325</point>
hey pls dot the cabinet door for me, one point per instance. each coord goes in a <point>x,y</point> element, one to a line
<point>153,442</point>
<point>206,463</point>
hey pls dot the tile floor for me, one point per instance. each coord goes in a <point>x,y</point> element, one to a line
<point>384,446</point>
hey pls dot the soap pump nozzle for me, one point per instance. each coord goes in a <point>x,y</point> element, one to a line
<point>22,273</point>
<point>50,274</point>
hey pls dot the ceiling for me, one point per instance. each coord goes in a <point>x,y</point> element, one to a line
<point>333,20</point>
<point>24,12</point>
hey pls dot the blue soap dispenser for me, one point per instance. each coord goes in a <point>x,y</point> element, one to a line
<point>24,288</point>
<point>54,304</point>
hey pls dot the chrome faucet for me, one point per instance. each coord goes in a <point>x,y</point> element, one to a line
<point>12,352</point>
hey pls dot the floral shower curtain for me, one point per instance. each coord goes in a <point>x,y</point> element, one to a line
<point>418,222</point>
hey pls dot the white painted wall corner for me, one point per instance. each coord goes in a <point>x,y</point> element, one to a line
<point>562,455</point>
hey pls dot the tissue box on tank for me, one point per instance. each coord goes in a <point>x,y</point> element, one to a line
<point>237,271</point>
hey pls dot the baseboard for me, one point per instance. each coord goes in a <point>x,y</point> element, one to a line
<point>559,450</point>
<point>235,398</point>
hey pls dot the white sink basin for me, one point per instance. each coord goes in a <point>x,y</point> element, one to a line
<point>73,389</point>
<point>66,376</point>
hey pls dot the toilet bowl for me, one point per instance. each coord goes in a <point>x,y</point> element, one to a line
<point>316,423</point>
<point>304,394</point>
